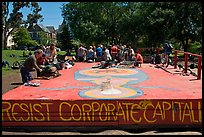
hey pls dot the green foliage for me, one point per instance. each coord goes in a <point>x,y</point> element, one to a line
<point>30,43</point>
<point>12,19</point>
<point>195,48</point>
<point>145,24</point>
<point>44,39</point>
<point>7,56</point>
<point>61,52</point>
<point>65,39</point>
<point>23,38</point>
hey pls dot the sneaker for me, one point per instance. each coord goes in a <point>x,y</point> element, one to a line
<point>35,84</point>
<point>26,84</point>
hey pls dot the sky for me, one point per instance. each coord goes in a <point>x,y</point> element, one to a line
<point>51,13</point>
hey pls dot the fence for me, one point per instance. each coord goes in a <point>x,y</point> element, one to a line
<point>186,54</point>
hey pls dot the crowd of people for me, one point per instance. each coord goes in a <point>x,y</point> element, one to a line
<point>43,57</point>
<point>105,54</point>
<point>109,53</point>
<point>48,55</point>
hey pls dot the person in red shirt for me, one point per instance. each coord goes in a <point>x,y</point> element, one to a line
<point>114,51</point>
<point>42,62</point>
<point>138,58</point>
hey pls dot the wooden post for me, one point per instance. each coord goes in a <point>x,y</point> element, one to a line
<point>186,62</point>
<point>199,67</point>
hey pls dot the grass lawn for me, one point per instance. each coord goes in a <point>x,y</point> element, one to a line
<point>12,56</point>
<point>18,56</point>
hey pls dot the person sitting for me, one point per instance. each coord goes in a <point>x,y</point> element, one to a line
<point>90,55</point>
<point>138,59</point>
<point>42,62</point>
<point>99,52</point>
<point>4,63</point>
<point>51,53</point>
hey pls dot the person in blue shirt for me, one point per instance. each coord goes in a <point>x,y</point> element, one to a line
<point>99,51</point>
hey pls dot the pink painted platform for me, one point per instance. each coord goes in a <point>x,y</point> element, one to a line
<point>86,96</point>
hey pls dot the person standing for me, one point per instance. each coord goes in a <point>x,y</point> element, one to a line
<point>99,52</point>
<point>167,51</point>
<point>28,66</point>
<point>131,54</point>
<point>114,51</point>
<point>81,52</point>
<point>107,55</point>
<point>90,54</point>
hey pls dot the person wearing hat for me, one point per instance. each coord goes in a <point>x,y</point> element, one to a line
<point>29,65</point>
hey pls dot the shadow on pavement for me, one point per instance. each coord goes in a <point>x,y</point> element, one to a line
<point>133,130</point>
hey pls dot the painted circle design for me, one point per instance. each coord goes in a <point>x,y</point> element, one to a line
<point>111,71</point>
<point>112,93</point>
<point>112,83</point>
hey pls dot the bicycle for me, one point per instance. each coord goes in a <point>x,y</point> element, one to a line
<point>17,64</point>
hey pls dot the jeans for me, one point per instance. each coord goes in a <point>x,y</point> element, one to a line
<point>25,75</point>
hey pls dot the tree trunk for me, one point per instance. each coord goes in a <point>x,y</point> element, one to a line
<point>185,43</point>
<point>186,49</point>
<point>5,39</point>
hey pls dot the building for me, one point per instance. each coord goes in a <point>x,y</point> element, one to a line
<point>37,28</point>
<point>10,42</point>
<point>53,33</point>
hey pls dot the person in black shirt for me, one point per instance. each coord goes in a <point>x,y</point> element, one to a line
<point>29,64</point>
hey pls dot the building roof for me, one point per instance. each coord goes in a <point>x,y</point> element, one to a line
<point>51,29</point>
<point>44,28</point>
<point>60,29</point>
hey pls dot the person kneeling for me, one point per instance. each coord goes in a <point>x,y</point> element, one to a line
<point>138,59</point>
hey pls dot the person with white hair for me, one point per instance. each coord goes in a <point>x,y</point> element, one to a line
<point>107,55</point>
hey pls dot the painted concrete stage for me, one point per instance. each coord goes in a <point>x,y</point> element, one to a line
<point>86,96</point>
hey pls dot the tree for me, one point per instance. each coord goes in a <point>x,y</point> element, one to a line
<point>135,23</point>
<point>23,38</point>
<point>188,23</point>
<point>65,39</point>
<point>45,39</point>
<point>14,19</point>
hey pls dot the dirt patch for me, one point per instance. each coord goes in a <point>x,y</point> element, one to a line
<point>12,81</point>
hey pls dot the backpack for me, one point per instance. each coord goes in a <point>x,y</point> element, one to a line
<point>50,71</point>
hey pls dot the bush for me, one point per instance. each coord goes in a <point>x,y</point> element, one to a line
<point>195,48</point>
<point>30,43</point>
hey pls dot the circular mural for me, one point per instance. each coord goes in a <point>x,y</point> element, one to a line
<point>112,83</point>
<point>110,71</point>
